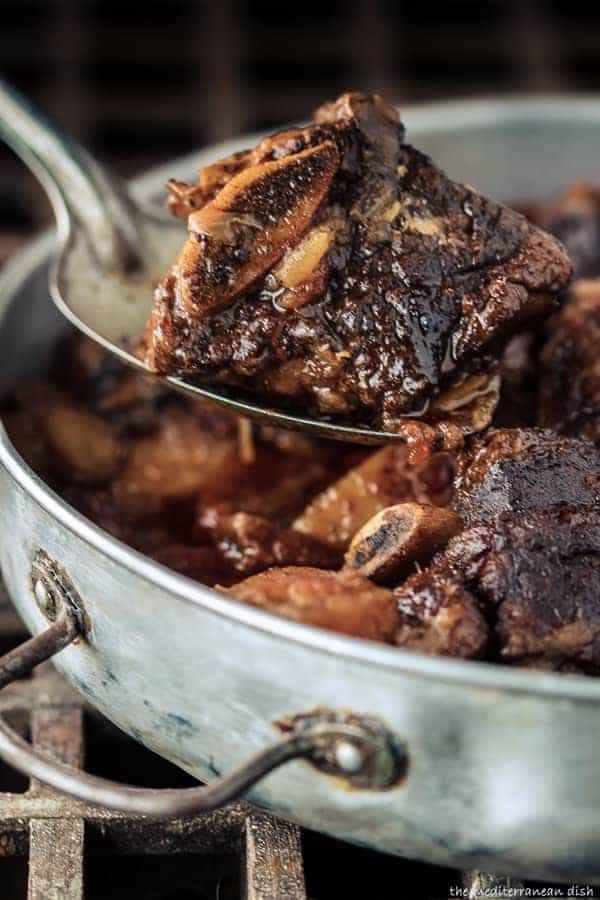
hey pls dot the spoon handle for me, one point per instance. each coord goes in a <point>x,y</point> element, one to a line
<point>79,189</point>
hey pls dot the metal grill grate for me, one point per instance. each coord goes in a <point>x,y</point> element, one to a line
<point>58,847</point>
<point>55,848</point>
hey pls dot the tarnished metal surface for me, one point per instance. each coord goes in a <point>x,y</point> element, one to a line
<point>21,660</point>
<point>384,764</point>
<point>55,593</point>
<point>359,751</point>
<point>56,846</point>
<point>504,770</point>
<point>273,861</point>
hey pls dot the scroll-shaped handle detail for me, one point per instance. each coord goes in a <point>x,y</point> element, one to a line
<point>362,752</point>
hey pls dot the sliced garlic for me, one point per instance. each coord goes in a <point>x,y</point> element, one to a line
<point>432,227</point>
<point>299,263</point>
<point>391,212</point>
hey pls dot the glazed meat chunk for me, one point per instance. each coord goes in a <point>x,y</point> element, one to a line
<point>233,545</point>
<point>522,582</point>
<point>530,585</point>
<point>249,543</point>
<point>574,218</point>
<point>336,269</point>
<point>341,601</point>
<point>202,563</point>
<point>438,615</point>
<point>517,471</point>
<point>569,395</point>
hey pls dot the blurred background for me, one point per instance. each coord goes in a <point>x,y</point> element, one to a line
<point>140,82</point>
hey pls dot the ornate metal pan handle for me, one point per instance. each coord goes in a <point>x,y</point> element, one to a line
<point>359,750</point>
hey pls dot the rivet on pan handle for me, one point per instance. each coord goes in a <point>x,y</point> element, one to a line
<point>360,751</point>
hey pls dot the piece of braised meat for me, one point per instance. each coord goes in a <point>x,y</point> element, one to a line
<point>565,376</point>
<point>535,582</point>
<point>574,218</point>
<point>540,581</point>
<point>522,582</point>
<point>335,268</point>
<point>439,615</point>
<point>231,545</point>
<point>249,543</point>
<point>202,563</point>
<point>341,601</point>
<point>569,395</point>
<point>518,471</point>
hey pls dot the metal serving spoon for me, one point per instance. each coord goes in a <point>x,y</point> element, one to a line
<point>111,253</point>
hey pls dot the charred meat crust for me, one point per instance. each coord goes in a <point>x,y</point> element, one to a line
<point>419,279</point>
<point>439,615</point>
<point>539,578</point>
<point>517,471</point>
<point>534,580</point>
<point>528,561</point>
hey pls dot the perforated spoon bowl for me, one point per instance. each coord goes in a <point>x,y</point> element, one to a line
<point>111,253</point>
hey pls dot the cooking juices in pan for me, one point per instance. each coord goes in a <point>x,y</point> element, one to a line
<point>334,266</point>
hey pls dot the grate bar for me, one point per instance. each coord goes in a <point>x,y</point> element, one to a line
<point>56,846</point>
<point>56,859</point>
<point>24,696</point>
<point>274,865</point>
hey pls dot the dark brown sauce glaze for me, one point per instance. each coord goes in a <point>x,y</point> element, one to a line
<point>398,283</point>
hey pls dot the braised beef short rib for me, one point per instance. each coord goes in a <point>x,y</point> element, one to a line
<point>336,268</point>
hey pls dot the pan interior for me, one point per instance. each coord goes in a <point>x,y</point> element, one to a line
<point>513,150</point>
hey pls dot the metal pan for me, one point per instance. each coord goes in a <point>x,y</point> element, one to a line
<point>461,764</point>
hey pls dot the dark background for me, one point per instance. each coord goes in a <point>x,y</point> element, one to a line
<point>140,82</point>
